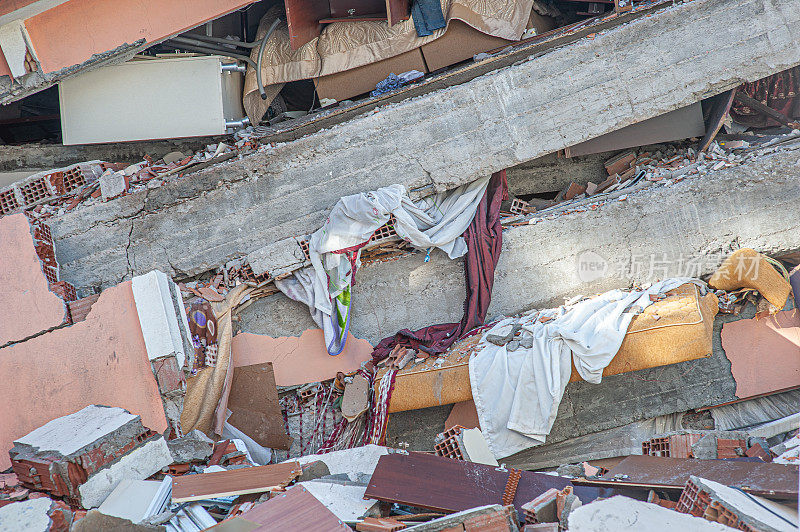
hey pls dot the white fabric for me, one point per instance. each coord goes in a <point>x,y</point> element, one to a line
<point>437,221</point>
<point>517,393</point>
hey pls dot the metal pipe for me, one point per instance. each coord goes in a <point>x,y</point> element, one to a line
<point>212,51</point>
<point>234,67</point>
<point>218,40</point>
<point>244,122</point>
<point>260,55</point>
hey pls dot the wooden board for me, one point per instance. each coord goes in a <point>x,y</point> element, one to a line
<point>236,482</point>
<point>446,485</point>
<point>294,511</point>
<point>302,19</point>
<point>254,405</point>
<point>777,481</point>
<point>397,11</point>
<point>719,110</point>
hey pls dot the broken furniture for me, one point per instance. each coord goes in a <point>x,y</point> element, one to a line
<point>346,59</point>
<point>775,481</point>
<point>445,485</point>
<point>258,479</point>
<point>296,510</point>
<point>672,330</point>
<point>305,17</point>
<point>145,99</point>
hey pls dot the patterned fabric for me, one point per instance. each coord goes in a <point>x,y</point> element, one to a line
<point>778,91</point>
<point>346,45</point>
<point>203,328</point>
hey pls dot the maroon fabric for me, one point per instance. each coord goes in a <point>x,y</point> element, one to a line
<point>484,238</point>
<point>778,91</point>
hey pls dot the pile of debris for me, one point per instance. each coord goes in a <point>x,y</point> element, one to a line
<point>206,429</point>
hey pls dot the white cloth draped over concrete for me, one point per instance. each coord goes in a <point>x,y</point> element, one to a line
<point>434,222</point>
<point>517,393</point>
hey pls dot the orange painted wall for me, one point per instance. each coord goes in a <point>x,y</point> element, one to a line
<point>9,6</point>
<point>102,360</point>
<point>4,70</point>
<point>71,33</point>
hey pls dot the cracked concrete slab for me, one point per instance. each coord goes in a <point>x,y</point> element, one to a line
<point>661,231</point>
<point>562,97</point>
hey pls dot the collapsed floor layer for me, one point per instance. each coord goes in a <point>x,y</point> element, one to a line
<point>564,96</point>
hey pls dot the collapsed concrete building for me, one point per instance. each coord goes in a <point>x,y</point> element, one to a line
<point>605,140</point>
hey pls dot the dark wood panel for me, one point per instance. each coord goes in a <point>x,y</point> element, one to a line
<point>254,403</point>
<point>351,9</point>
<point>446,485</point>
<point>771,480</point>
<point>302,18</point>
<point>397,11</point>
<point>363,18</point>
<point>235,482</point>
<point>295,511</point>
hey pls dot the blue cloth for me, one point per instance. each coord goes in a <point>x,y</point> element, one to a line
<point>392,82</point>
<point>428,16</point>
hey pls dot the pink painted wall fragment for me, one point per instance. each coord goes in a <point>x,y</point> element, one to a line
<point>101,360</point>
<point>298,360</point>
<point>764,353</point>
<point>28,306</point>
<point>72,32</point>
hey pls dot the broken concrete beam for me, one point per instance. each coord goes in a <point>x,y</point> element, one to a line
<point>622,514</point>
<point>24,290</point>
<point>493,122</point>
<point>755,411</point>
<point>83,456</point>
<point>773,428</point>
<point>658,232</point>
<point>732,507</point>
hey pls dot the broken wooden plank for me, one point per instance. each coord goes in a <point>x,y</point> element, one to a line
<point>445,485</point>
<point>254,405</point>
<point>235,482</point>
<point>294,511</point>
<point>778,481</point>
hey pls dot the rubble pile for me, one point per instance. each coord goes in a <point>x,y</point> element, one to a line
<point>310,430</point>
<point>184,401</point>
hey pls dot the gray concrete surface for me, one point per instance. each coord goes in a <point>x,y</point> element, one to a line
<point>692,224</point>
<point>684,229</point>
<point>434,142</point>
<point>38,157</point>
<point>552,173</point>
